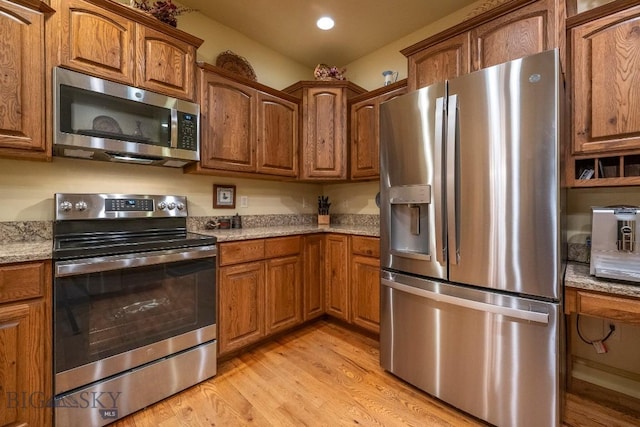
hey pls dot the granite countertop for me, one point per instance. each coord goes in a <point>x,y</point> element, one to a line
<point>42,250</point>
<point>577,276</point>
<point>288,230</point>
<point>25,251</point>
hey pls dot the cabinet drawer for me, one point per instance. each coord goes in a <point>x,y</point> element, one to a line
<point>282,246</point>
<point>21,281</point>
<point>626,310</point>
<point>365,246</point>
<point>237,252</point>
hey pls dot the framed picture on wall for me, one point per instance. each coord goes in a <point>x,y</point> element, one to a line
<point>224,196</point>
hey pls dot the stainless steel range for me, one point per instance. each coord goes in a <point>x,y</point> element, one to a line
<point>135,312</point>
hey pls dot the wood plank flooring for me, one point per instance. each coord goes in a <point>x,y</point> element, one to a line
<point>322,375</point>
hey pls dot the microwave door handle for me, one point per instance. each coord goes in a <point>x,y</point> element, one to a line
<point>437,181</point>
<point>452,175</point>
<point>174,128</point>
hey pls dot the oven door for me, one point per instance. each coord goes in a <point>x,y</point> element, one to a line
<point>115,313</point>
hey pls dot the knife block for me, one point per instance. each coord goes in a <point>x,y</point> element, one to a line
<point>323,220</point>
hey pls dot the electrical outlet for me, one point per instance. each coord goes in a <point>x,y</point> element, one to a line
<point>304,202</point>
<point>244,201</point>
<point>615,336</point>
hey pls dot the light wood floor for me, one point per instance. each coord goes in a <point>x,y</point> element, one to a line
<point>322,375</point>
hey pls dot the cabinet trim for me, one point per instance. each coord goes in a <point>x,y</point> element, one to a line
<point>148,20</point>
<point>599,12</point>
<point>465,26</point>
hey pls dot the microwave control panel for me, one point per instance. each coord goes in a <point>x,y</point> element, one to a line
<point>188,131</point>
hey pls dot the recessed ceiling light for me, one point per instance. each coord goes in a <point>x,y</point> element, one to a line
<point>325,23</point>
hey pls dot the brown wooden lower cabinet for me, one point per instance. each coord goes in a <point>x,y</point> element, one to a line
<point>259,290</point>
<point>284,293</point>
<point>25,344</point>
<point>337,276</point>
<point>353,280</point>
<point>270,285</point>
<point>365,292</point>
<point>241,305</point>
<point>624,309</point>
<point>313,279</point>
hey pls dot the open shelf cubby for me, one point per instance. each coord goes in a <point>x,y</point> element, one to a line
<point>606,171</point>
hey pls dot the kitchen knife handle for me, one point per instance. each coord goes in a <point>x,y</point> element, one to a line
<point>437,181</point>
<point>452,175</point>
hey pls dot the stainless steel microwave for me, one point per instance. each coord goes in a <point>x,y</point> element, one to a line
<point>98,119</point>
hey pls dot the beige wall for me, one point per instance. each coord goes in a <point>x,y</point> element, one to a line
<point>367,71</point>
<point>27,188</point>
<point>271,68</point>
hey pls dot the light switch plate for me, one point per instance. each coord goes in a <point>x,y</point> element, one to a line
<point>244,201</point>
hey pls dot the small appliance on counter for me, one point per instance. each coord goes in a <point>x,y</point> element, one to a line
<point>614,243</point>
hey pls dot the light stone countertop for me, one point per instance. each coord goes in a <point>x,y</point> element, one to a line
<point>288,230</point>
<point>25,251</point>
<point>42,250</point>
<point>577,276</point>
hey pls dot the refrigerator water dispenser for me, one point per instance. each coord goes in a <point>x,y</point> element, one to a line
<point>410,221</point>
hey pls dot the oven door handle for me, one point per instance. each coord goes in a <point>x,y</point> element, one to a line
<point>77,267</point>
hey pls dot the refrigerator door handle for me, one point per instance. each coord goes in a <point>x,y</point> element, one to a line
<point>531,316</point>
<point>441,255</point>
<point>452,175</point>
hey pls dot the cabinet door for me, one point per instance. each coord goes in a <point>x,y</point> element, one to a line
<point>365,136</point>
<point>164,64</point>
<point>277,136</point>
<point>314,273</point>
<point>525,31</point>
<point>241,305</point>
<point>324,149</point>
<point>95,41</point>
<point>23,364</point>
<point>337,276</point>
<point>445,60</point>
<point>284,293</point>
<point>605,60</point>
<point>365,292</point>
<point>22,81</point>
<point>365,139</point>
<point>228,124</point>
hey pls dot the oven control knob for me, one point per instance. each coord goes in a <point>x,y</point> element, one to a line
<point>171,206</point>
<point>81,206</point>
<point>66,206</point>
<point>180,206</point>
<point>162,205</point>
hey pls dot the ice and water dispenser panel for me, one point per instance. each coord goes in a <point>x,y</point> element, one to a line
<point>410,221</point>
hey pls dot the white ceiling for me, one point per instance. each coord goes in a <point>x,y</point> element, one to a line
<point>362,26</point>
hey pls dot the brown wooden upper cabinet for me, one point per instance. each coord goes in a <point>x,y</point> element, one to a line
<point>509,31</point>
<point>365,130</point>
<point>110,40</point>
<point>246,127</point>
<point>442,61</point>
<point>605,61</point>
<point>23,81</point>
<point>324,127</point>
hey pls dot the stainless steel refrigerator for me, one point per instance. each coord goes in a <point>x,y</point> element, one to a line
<point>472,241</point>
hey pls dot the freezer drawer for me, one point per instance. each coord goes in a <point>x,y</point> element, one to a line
<point>494,356</point>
